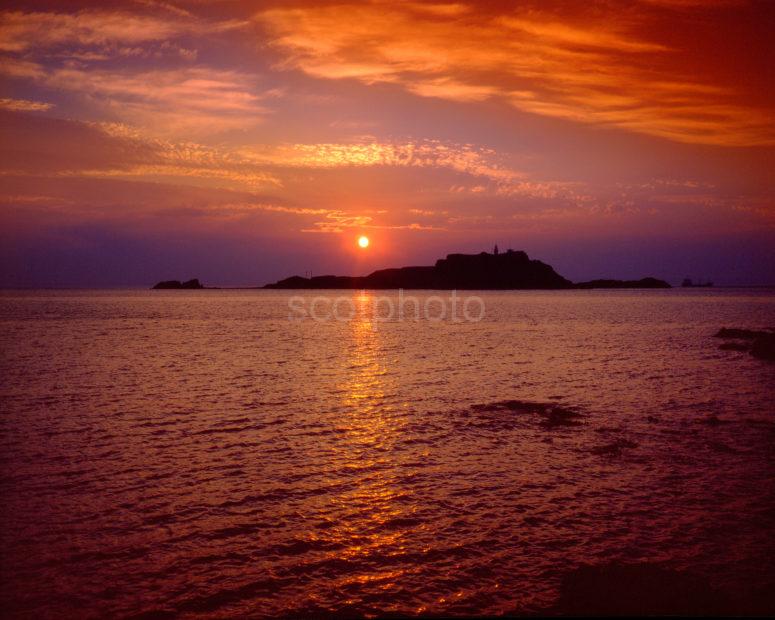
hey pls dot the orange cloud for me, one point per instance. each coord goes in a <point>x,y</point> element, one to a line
<point>339,221</point>
<point>597,71</point>
<point>25,105</point>
<point>116,150</point>
<point>466,159</point>
<point>20,31</point>
<point>195,99</point>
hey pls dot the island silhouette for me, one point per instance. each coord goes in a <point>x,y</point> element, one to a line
<point>177,284</point>
<point>510,270</point>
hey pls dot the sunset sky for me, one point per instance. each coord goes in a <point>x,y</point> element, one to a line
<point>243,142</point>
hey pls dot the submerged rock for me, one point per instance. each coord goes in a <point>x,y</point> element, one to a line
<point>614,448</point>
<point>551,415</point>
<point>556,416</point>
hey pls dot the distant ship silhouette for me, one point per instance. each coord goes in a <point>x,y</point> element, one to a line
<point>688,283</point>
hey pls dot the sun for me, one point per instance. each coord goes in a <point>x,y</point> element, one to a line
<point>363,241</point>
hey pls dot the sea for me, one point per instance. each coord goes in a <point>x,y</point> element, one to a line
<point>256,453</point>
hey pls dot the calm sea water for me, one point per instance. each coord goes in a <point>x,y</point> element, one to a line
<point>198,453</point>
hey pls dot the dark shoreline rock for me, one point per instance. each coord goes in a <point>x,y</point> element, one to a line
<point>178,285</point>
<point>759,343</point>
<point>510,270</point>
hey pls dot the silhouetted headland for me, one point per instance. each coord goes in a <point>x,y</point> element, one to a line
<point>505,271</point>
<point>177,284</point>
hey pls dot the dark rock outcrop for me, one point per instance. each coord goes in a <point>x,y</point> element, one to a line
<point>759,343</point>
<point>505,271</point>
<point>177,284</point>
<point>742,334</point>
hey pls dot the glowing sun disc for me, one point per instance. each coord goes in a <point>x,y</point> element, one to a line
<point>363,241</point>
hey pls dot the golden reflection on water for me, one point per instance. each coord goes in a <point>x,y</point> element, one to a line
<point>364,385</point>
<point>366,450</point>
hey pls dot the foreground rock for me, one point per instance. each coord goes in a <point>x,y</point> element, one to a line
<point>505,271</point>
<point>177,284</point>
<point>759,343</point>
